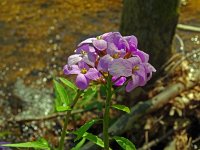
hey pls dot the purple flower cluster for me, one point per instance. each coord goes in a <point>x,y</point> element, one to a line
<point>110,54</point>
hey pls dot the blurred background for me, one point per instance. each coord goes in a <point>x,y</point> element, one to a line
<point>37,36</point>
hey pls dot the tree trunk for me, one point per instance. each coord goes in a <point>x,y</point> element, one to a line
<point>154,23</point>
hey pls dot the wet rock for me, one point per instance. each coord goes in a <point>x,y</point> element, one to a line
<point>15,103</point>
<point>36,102</point>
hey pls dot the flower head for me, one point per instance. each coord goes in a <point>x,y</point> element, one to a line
<point>110,54</point>
<point>84,74</point>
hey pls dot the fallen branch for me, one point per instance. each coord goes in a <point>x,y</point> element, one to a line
<point>196,140</point>
<point>126,122</point>
<point>47,117</point>
<point>188,27</point>
<point>182,46</point>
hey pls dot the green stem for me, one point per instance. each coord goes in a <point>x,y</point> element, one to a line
<point>120,87</point>
<point>61,143</point>
<point>106,114</point>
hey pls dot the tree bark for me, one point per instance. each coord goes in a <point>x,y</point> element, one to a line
<point>154,23</point>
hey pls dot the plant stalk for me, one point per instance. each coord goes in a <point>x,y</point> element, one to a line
<point>63,134</point>
<point>106,114</point>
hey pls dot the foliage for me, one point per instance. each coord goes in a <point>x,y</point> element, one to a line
<point>39,144</point>
<point>122,108</point>
<point>124,143</point>
<point>62,99</point>
<point>93,138</point>
<point>81,131</point>
<point>79,145</point>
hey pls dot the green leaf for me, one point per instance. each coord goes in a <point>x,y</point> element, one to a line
<point>72,94</point>
<point>88,95</point>
<point>124,143</point>
<point>68,83</point>
<point>79,145</point>
<point>80,132</point>
<point>95,104</point>
<point>63,108</point>
<point>40,144</point>
<point>61,94</point>
<point>93,138</point>
<point>122,108</point>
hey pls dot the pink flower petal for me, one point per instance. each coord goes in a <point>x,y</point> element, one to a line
<point>120,67</point>
<point>132,84</point>
<point>143,56</point>
<point>118,81</point>
<point>92,74</point>
<point>74,59</point>
<point>100,44</point>
<point>104,63</point>
<point>149,69</point>
<point>87,41</point>
<point>83,65</point>
<point>134,61</point>
<point>74,69</point>
<point>81,82</point>
<point>82,48</point>
<point>88,61</point>
<point>141,72</point>
<point>132,42</point>
<point>91,49</point>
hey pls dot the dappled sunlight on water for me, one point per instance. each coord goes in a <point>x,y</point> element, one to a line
<point>190,12</point>
<point>190,15</point>
<point>37,36</point>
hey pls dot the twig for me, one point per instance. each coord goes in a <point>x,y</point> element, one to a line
<point>158,140</point>
<point>170,61</point>
<point>51,116</point>
<point>182,47</point>
<point>147,138</point>
<point>196,140</point>
<point>188,27</point>
<point>171,66</point>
